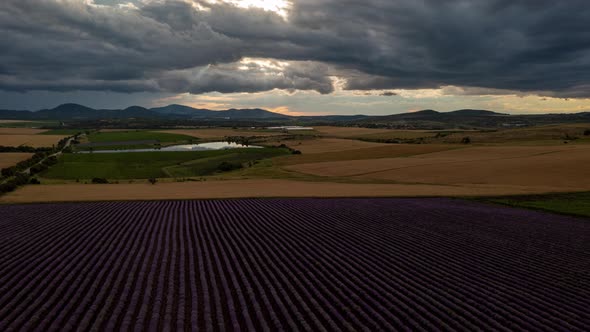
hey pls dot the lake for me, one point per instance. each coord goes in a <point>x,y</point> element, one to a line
<point>184,147</point>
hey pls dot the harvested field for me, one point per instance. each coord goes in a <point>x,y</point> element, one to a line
<point>323,145</point>
<point>8,159</point>
<point>559,166</point>
<point>36,141</point>
<point>21,131</point>
<point>259,188</point>
<point>370,151</point>
<point>220,132</point>
<point>348,131</point>
<point>345,264</point>
<point>542,134</point>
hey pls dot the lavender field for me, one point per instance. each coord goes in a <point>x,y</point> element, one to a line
<point>292,264</point>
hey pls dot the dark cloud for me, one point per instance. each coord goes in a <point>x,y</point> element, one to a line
<point>388,94</point>
<point>193,46</point>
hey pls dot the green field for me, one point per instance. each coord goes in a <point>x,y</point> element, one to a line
<point>571,203</point>
<point>143,165</point>
<point>123,136</point>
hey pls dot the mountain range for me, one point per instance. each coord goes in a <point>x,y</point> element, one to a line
<point>424,118</point>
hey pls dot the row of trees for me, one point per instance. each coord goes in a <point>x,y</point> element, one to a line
<point>23,148</point>
<point>14,176</point>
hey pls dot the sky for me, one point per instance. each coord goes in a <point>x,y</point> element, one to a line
<point>298,57</point>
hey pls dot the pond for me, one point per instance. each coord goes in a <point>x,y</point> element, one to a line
<point>184,147</point>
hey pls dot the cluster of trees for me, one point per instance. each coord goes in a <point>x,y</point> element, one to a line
<point>23,165</point>
<point>228,166</point>
<point>19,180</point>
<point>293,151</point>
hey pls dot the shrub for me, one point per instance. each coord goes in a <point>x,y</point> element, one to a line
<point>227,166</point>
<point>296,152</point>
<point>100,181</point>
<point>35,181</point>
<point>8,187</point>
<point>587,132</point>
<point>466,140</point>
<point>9,171</point>
<point>152,180</point>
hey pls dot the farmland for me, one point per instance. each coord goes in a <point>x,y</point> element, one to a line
<point>215,133</point>
<point>333,264</point>
<point>8,159</point>
<point>142,165</point>
<point>33,140</point>
<point>98,137</point>
<point>565,166</point>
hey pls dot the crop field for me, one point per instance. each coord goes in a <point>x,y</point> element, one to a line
<point>557,166</point>
<point>122,136</point>
<point>66,132</point>
<point>12,121</point>
<point>209,133</point>
<point>372,133</point>
<point>36,141</point>
<point>538,135</point>
<point>26,124</point>
<point>359,151</point>
<point>8,159</point>
<point>143,165</point>
<point>285,264</point>
<point>21,131</point>
<point>323,145</point>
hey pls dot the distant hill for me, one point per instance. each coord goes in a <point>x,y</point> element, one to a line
<point>174,114</point>
<point>233,113</point>
<point>80,112</point>
<point>470,112</point>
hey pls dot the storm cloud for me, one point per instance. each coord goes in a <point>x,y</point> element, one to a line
<point>524,46</point>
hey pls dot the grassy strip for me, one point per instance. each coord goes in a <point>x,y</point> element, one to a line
<point>571,203</point>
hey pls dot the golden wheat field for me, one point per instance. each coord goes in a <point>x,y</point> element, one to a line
<point>356,132</point>
<point>8,159</point>
<point>370,151</point>
<point>324,145</point>
<point>557,166</point>
<point>252,189</point>
<point>35,141</point>
<point>21,131</point>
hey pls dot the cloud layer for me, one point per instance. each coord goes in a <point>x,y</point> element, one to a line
<point>529,47</point>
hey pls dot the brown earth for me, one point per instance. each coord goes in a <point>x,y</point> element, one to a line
<point>548,166</point>
<point>8,159</point>
<point>253,189</point>
<point>21,131</point>
<point>35,141</point>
